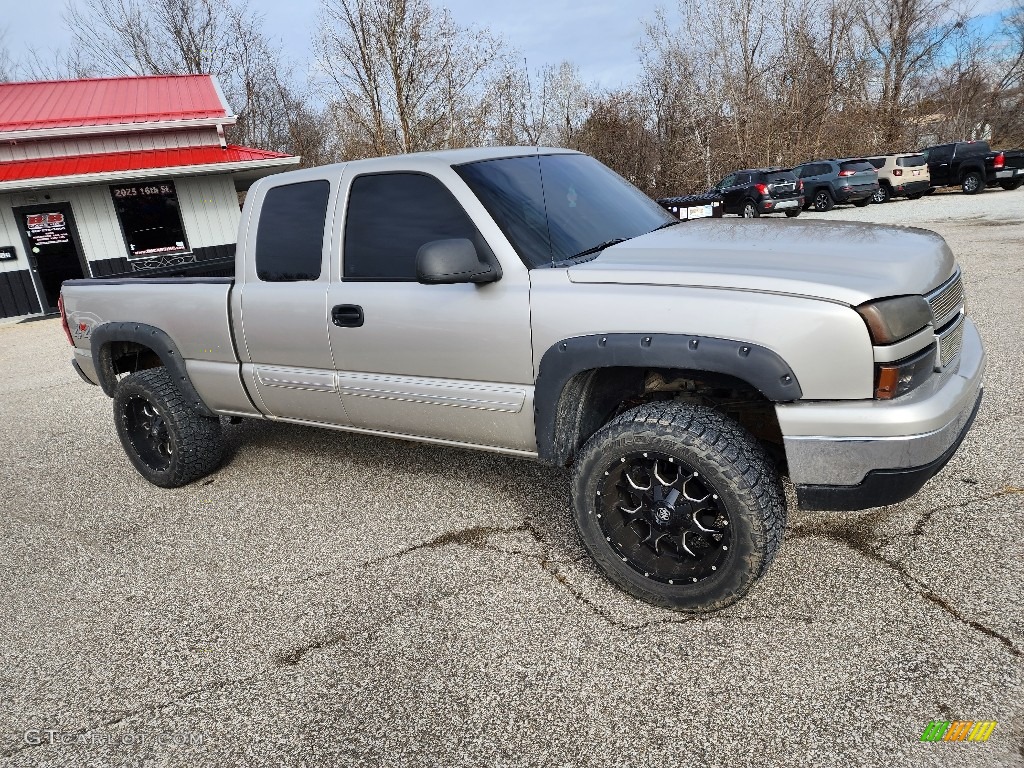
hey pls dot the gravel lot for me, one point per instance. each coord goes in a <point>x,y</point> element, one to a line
<point>333,599</point>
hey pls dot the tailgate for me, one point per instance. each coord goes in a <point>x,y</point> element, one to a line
<point>782,185</point>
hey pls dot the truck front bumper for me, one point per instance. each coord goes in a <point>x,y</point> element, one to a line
<point>847,455</point>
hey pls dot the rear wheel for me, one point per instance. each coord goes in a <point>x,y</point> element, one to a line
<point>750,210</point>
<point>823,201</point>
<point>882,195</point>
<point>1009,186</point>
<point>972,183</point>
<point>168,442</point>
<point>678,505</point>
<point>862,203</point>
<point>793,213</point>
<point>916,196</point>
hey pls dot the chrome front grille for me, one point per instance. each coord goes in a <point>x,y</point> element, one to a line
<point>950,340</point>
<point>946,300</point>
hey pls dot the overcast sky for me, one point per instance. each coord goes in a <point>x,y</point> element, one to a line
<point>599,36</point>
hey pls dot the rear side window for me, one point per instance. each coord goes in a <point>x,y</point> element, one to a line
<point>390,216</point>
<point>911,161</point>
<point>290,236</point>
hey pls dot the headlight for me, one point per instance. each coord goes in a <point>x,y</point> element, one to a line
<point>895,379</point>
<point>891,320</point>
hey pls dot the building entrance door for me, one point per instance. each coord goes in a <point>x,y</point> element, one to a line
<point>54,253</point>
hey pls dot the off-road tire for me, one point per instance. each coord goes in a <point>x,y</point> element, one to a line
<point>750,211</point>
<point>823,201</point>
<point>863,203</point>
<point>194,441</point>
<point>1009,186</point>
<point>729,460</point>
<point>793,213</point>
<point>972,183</point>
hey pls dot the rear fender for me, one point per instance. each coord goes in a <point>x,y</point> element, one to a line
<point>103,339</point>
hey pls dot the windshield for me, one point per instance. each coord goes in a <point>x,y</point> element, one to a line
<point>554,208</point>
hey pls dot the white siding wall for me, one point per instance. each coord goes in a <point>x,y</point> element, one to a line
<point>209,211</point>
<point>125,142</point>
<point>9,236</point>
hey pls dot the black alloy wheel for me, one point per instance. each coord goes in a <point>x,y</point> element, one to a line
<point>167,440</point>
<point>147,432</point>
<point>662,518</point>
<point>823,201</point>
<point>678,505</point>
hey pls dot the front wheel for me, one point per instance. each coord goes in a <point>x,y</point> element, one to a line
<point>168,442</point>
<point>972,183</point>
<point>678,505</point>
<point>882,194</point>
<point>750,211</point>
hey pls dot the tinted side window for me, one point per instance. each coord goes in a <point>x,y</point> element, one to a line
<point>728,181</point>
<point>390,216</point>
<point>290,234</point>
<point>877,162</point>
<point>940,154</point>
<point>911,161</point>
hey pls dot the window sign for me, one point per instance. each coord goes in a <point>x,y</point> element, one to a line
<point>7,253</point>
<point>48,228</point>
<point>150,218</point>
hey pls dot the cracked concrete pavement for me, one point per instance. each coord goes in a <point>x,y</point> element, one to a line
<point>333,599</point>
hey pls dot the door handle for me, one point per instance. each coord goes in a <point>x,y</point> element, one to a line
<point>347,315</point>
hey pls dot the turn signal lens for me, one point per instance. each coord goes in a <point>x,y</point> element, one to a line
<point>895,379</point>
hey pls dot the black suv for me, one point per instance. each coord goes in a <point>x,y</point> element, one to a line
<point>827,182</point>
<point>755,191</point>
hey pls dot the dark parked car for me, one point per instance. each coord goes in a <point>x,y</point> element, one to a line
<point>827,182</point>
<point>699,206</point>
<point>972,165</point>
<point>756,191</point>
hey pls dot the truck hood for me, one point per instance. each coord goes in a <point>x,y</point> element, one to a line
<point>842,261</point>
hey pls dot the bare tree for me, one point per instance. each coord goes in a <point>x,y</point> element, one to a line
<point>403,74</point>
<point>6,62</point>
<point>225,39</point>
<point>906,38</point>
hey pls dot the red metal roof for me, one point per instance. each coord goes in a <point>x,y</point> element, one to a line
<point>116,162</point>
<point>108,101</point>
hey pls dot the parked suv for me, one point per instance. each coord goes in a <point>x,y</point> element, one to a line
<point>827,182</point>
<point>755,191</point>
<point>901,176</point>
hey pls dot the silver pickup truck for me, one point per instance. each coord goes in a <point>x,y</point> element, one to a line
<point>531,302</point>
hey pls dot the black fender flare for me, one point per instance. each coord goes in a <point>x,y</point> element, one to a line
<point>756,365</point>
<point>148,336</point>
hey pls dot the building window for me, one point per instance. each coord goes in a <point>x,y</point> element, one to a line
<point>150,218</point>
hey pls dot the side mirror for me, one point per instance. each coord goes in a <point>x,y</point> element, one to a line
<point>442,262</point>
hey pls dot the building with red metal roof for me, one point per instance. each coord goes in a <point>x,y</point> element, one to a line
<point>116,177</point>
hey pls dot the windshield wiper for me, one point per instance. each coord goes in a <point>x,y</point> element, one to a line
<point>666,224</point>
<point>601,246</point>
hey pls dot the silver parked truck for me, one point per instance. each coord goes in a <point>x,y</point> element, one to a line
<point>531,302</point>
